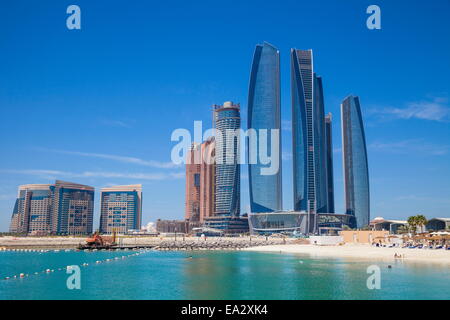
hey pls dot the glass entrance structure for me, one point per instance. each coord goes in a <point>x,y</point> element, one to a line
<point>296,222</point>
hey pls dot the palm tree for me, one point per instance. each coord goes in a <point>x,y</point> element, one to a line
<point>412,223</point>
<point>421,221</point>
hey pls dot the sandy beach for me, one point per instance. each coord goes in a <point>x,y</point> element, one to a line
<point>361,252</point>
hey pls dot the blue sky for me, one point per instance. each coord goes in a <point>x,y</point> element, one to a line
<point>98,105</point>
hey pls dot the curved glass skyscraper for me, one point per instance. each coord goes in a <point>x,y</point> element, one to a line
<point>264,115</point>
<point>320,148</point>
<point>356,172</point>
<point>227,119</point>
<point>301,90</point>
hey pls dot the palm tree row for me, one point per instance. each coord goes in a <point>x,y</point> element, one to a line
<point>418,221</point>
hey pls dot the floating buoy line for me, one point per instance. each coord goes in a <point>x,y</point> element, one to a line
<point>84,264</point>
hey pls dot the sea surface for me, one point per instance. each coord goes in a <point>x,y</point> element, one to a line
<point>213,275</point>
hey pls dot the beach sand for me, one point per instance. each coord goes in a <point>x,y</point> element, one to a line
<point>361,252</point>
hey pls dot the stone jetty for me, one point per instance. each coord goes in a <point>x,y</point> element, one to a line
<point>213,244</point>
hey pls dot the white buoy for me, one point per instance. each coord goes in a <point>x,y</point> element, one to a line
<point>48,270</point>
<point>22,275</point>
<point>98,261</point>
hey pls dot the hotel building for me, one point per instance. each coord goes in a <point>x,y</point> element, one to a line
<point>72,208</point>
<point>32,209</point>
<point>355,163</point>
<point>60,208</point>
<point>200,181</point>
<point>121,208</point>
<point>264,115</point>
<point>208,179</point>
<point>193,169</point>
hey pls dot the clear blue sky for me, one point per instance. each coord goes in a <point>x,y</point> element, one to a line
<point>98,105</point>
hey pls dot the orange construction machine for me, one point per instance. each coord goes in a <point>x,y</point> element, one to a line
<point>98,241</point>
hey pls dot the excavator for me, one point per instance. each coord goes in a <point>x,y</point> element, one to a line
<point>97,241</point>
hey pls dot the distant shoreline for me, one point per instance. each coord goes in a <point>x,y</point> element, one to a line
<point>366,252</point>
<point>159,243</point>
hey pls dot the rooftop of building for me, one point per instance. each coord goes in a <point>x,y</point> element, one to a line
<point>383,220</point>
<point>226,105</point>
<point>66,184</point>
<point>440,219</point>
<point>131,187</point>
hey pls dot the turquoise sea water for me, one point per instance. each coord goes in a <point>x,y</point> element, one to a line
<point>214,275</point>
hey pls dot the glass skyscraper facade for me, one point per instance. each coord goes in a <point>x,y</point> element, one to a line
<point>308,138</point>
<point>320,147</point>
<point>121,208</point>
<point>264,114</point>
<point>227,119</point>
<point>301,92</point>
<point>355,163</point>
